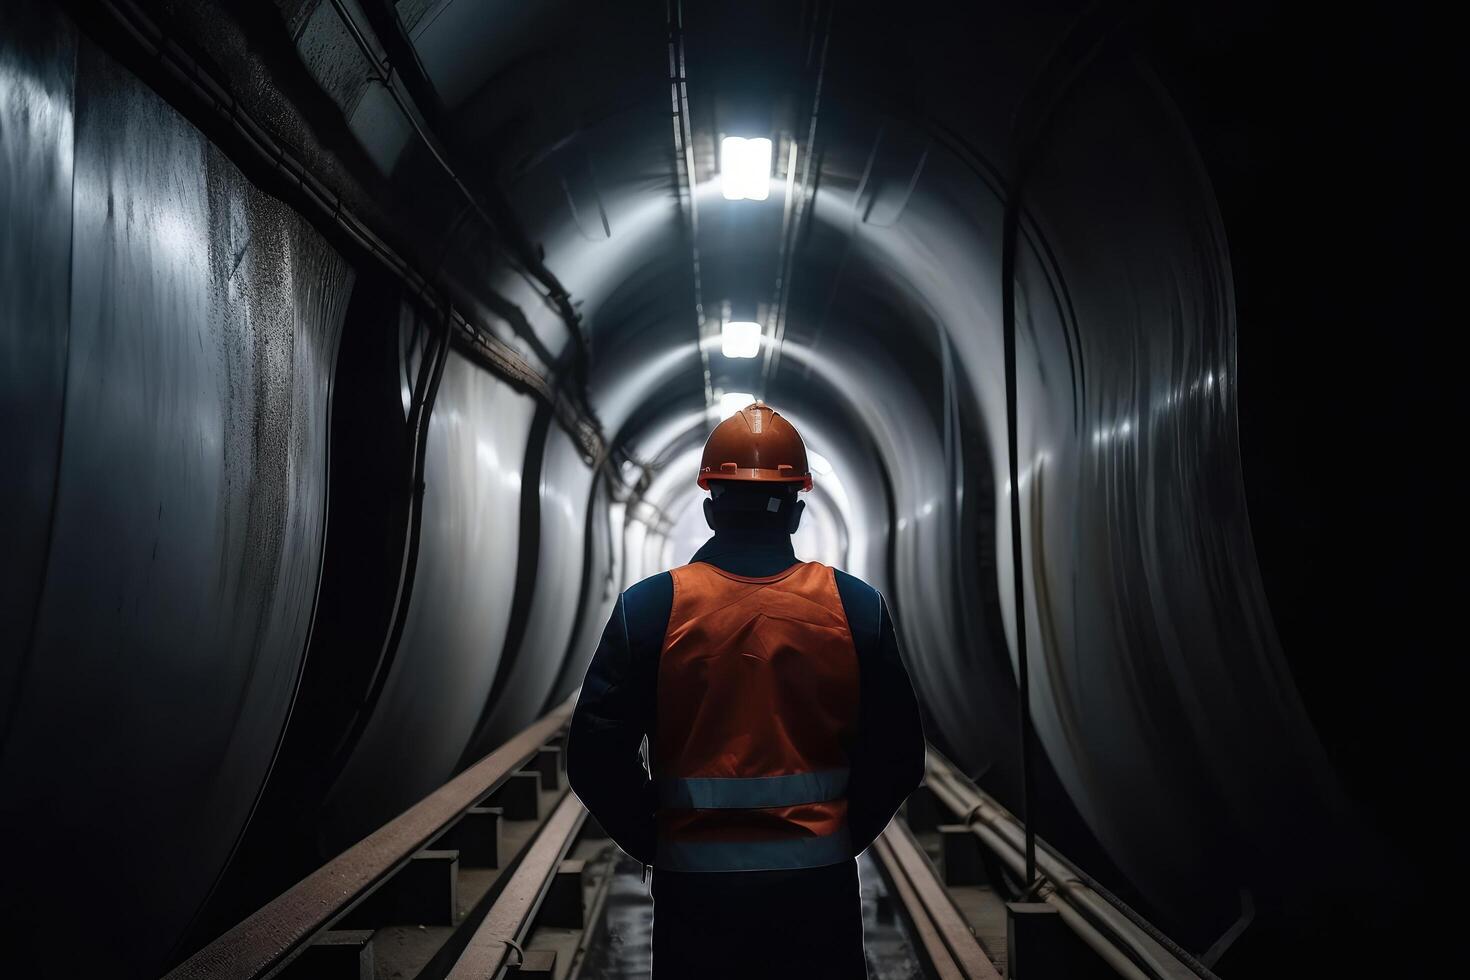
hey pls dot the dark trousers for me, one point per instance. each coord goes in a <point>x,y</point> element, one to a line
<point>758,924</point>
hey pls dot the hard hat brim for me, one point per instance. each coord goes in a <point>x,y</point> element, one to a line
<point>751,475</point>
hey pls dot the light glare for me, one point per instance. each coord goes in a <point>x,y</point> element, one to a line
<point>740,338</point>
<point>733,401</point>
<point>745,168</point>
<point>819,464</point>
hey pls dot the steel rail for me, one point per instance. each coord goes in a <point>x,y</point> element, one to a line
<point>1132,949</point>
<point>280,930</point>
<point>507,924</point>
<point>948,941</point>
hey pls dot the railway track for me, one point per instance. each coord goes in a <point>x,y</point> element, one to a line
<point>502,873</point>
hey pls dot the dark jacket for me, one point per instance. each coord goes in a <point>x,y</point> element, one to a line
<point>616,710</point>
<point>616,707</point>
<point>618,703</point>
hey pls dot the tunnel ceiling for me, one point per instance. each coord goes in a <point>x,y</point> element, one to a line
<point>574,119</point>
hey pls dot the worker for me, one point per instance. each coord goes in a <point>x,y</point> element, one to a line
<point>782,730</point>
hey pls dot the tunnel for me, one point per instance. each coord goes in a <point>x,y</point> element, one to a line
<point>359,353</point>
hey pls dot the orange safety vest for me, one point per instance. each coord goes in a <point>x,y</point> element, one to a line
<point>757,709</point>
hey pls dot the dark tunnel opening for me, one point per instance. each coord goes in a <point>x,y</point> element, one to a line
<point>359,353</point>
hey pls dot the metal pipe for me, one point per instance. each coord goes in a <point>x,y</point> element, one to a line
<point>1109,931</point>
<point>1095,941</point>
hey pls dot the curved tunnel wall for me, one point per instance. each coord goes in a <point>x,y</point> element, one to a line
<point>201,321</point>
<point>1148,613</point>
<point>183,327</point>
<point>454,636</point>
<point>563,485</point>
<point>188,512</point>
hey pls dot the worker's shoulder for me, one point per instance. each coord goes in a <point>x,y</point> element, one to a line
<point>650,599</point>
<point>849,584</point>
<point>860,601</point>
<point>651,589</point>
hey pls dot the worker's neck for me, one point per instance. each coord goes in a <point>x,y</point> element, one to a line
<point>753,537</point>
<point>753,551</point>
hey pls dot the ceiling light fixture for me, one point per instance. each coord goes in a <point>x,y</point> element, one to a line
<point>745,168</point>
<point>740,338</point>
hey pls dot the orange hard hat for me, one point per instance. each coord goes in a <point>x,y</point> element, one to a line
<point>755,445</point>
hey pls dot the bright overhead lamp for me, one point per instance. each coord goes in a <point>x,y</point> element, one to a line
<point>740,338</point>
<point>745,168</point>
<point>733,401</point>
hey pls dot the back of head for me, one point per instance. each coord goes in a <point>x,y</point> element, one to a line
<point>754,465</point>
<point>736,507</point>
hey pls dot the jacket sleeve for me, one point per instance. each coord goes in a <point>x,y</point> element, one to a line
<point>888,756</point>
<point>604,761</point>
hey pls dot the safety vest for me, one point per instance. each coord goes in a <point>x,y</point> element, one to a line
<point>757,709</point>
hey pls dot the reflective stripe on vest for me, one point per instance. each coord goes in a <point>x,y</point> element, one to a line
<point>730,793</point>
<point>757,703</point>
<point>757,855</point>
